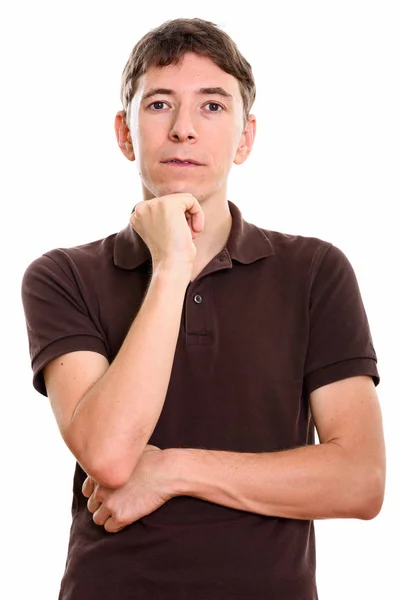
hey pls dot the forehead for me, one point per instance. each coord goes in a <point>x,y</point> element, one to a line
<point>190,74</point>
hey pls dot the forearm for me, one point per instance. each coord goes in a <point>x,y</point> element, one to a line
<point>117,416</point>
<point>309,482</point>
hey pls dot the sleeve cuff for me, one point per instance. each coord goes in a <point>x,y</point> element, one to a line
<point>341,370</point>
<point>59,347</point>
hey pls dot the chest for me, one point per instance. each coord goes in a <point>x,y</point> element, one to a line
<point>236,379</point>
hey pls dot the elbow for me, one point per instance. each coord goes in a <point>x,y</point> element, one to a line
<point>112,478</point>
<point>110,465</point>
<point>107,470</point>
<point>103,478</point>
<point>113,471</point>
<point>372,497</point>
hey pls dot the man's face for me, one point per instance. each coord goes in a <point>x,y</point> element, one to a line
<point>190,111</point>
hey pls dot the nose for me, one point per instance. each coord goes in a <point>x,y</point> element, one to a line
<point>183,128</point>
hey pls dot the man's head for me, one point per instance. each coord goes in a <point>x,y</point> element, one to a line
<point>187,93</point>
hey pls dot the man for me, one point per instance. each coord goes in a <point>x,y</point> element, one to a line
<point>188,357</point>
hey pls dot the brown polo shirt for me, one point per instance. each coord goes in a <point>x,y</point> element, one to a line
<point>271,318</point>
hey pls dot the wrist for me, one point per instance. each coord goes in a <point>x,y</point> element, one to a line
<point>175,461</point>
<point>173,271</point>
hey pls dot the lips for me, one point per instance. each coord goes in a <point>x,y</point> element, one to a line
<point>183,161</point>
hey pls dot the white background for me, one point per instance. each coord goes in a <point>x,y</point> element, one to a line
<point>325,163</point>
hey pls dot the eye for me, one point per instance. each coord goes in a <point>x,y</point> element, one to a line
<point>157,102</point>
<point>214,105</point>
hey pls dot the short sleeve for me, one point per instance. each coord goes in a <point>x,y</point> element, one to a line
<point>57,318</point>
<point>340,343</point>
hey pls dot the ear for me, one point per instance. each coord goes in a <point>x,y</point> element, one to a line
<point>246,141</point>
<point>124,135</point>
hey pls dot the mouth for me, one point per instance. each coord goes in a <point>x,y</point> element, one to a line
<point>177,162</point>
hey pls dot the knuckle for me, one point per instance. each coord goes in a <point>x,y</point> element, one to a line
<point>110,526</point>
<point>120,518</point>
<point>98,496</point>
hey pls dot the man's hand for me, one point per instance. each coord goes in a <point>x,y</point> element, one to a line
<point>146,490</point>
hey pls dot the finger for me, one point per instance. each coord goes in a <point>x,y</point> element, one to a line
<point>93,504</point>
<point>101,515</point>
<point>133,213</point>
<point>196,213</point>
<point>198,222</point>
<point>191,204</point>
<point>111,526</point>
<point>88,487</point>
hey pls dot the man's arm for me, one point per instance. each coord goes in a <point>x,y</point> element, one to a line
<point>107,413</point>
<point>343,476</point>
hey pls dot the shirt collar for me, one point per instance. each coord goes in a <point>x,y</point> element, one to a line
<point>246,243</point>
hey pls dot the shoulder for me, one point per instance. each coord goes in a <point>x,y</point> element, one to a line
<point>300,251</point>
<point>293,243</point>
<point>67,261</point>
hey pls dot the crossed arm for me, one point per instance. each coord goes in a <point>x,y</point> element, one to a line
<point>342,477</point>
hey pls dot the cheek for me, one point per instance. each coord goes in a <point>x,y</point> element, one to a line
<point>143,152</point>
<point>150,141</point>
<point>225,152</point>
<point>226,141</point>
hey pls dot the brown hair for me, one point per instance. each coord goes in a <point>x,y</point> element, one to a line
<point>170,41</point>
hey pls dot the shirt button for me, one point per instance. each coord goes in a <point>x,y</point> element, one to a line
<point>198,299</point>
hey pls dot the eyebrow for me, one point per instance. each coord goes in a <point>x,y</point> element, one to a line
<point>209,91</point>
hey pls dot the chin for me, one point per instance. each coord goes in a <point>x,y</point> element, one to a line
<point>165,188</point>
<point>175,188</point>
